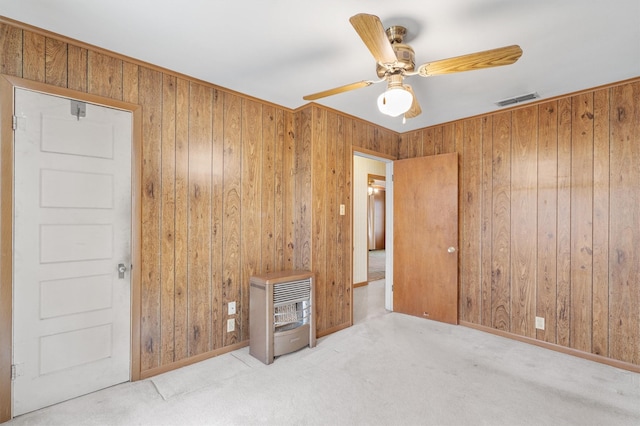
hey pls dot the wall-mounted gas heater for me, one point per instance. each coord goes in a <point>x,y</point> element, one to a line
<point>281,317</point>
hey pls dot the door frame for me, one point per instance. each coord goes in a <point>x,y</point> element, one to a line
<point>388,238</point>
<point>7,95</point>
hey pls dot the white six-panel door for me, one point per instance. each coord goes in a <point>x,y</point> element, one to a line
<point>72,228</point>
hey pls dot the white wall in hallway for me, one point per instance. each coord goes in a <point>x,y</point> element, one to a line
<point>362,167</point>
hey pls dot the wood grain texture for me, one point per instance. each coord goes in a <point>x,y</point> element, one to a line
<point>486,220</point>
<point>342,227</point>
<point>167,221</point>
<point>268,199</point>
<point>199,220</point>
<point>10,50</point>
<point>232,169</point>
<point>288,191</point>
<point>104,75</point>
<point>601,206</point>
<point>318,214</point>
<point>130,83</point>
<point>471,207</point>
<point>523,220</point>
<point>181,237</point>
<point>55,62</point>
<point>151,98</point>
<point>33,51</point>
<point>501,227</point>
<point>563,289</point>
<point>217,222</point>
<point>332,214</point>
<point>547,204</point>
<point>581,221</point>
<point>624,259</point>
<point>77,68</point>
<point>252,193</point>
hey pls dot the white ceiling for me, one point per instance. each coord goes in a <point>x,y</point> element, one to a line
<point>281,50</point>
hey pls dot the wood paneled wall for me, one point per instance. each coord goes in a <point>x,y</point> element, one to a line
<point>324,152</point>
<point>218,179</point>
<point>550,218</point>
<point>232,186</point>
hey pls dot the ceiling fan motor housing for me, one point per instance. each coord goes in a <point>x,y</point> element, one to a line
<point>406,60</point>
<point>404,53</point>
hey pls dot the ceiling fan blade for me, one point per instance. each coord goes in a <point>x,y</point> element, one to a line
<point>473,61</point>
<point>415,109</point>
<point>337,90</point>
<point>372,33</point>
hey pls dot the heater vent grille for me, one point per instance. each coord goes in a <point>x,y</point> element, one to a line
<point>517,99</point>
<point>291,292</point>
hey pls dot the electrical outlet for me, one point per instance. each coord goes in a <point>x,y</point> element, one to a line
<point>231,308</point>
<point>539,323</point>
<point>231,325</point>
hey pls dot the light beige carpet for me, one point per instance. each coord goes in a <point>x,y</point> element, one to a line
<point>390,369</point>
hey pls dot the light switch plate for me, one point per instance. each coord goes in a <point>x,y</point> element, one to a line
<point>231,310</point>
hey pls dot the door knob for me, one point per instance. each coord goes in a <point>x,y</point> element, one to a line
<point>451,249</point>
<point>121,270</point>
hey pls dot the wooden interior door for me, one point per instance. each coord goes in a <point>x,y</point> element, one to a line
<point>425,240</point>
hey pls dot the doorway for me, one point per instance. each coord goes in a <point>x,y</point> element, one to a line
<point>50,247</point>
<point>371,236</point>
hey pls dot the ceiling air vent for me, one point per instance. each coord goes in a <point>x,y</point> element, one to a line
<point>517,99</point>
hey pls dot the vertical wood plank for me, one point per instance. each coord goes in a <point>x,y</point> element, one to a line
<point>318,206</point>
<point>151,100</point>
<point>624,258</point>
<point>303,187</point>
<point>448,138</point>
<point>279,185</point>
<point>581,221</point>
<point>199,219</point>
<point>438,140</point>
<point>167,221</point>
<point>104,75</point>
<point>547,219</point>
<point>77,68</point>
<point>415,148</point>
<point>55,62</point>
<point>471,190</point>
<point>523,220</point>
<point>217,222</point>
<point>331,206</point>
<point>563,292</point>
<point>343,162</point>
<point>130,82</point>
<point>232,276</point>
<point>429,141</point>
<point>268,208</point>
<point>486,220</point>
<point>601,222</point>
<point>289,191</point>
<point>501,232</point>
<point>181,251</point>
<point>33,56</point>
<point>10,50</point>
<point>251,204</point>
<point>348,297</point>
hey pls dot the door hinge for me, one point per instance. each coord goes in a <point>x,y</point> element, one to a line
<point>16,371</point>
<point>14,123</point>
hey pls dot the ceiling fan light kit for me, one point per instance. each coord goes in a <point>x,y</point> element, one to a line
<point>395,101</point>
<point>395,61</point>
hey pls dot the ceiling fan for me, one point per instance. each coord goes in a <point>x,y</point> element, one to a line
<point>396,60</point>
